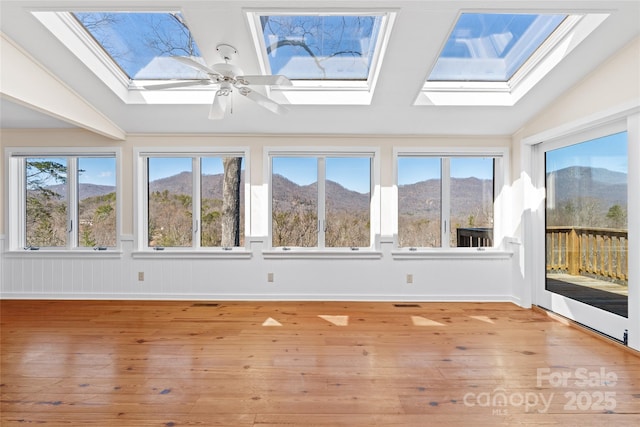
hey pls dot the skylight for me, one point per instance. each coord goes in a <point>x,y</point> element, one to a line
<point>494,59</point>
<point>320,47</point>
<point>142,43</point>
<point>492,46</point>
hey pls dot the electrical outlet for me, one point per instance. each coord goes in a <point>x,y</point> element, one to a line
<point>409,278</point>
<point>270,277</point>
<point>140,276</point>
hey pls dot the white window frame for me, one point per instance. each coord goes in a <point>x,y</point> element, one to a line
<point>15,167</point>
<point>500,206</point>
<point>322,153</point>
<point>320,92</point>
<point>141,197</point>
<point>576,27</point>
<point>61,23</point>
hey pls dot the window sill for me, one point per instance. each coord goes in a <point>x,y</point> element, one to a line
<point>327,254</point>
<point>455,254</point>
<point>53,253</point>
<point>189,254</point>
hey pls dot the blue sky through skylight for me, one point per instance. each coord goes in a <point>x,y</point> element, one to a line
<point>315,47</point>
<point>492,46</point>
<point>141,43</point>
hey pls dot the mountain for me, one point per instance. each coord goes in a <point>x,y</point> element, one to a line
<point>182,184</point>
<point>85,190</point>
<point>287,193</point>
<point>572,183</point>
<point>576,182</point>
<point>468,195</point>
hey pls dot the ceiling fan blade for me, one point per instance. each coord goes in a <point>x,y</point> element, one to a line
<point>219,106</point>
<point>263,101</point>
<point>276,80</point>
<point>195,64</point>
<point>177,84</point>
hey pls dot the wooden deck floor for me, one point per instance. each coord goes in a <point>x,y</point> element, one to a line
<point>590,282</point>
<point>241,364</point>
<point>598,293</point>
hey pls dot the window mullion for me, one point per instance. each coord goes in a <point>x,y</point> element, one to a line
<point>145,201</point>
<point>195,202</point>
<point>72,202</point>
<point>445,212</point>
<point>21,198</point>
<point>322,225</point>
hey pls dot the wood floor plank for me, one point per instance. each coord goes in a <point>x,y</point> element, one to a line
<point>171,363</point>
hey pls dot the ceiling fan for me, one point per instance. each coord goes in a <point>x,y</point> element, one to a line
<point>230,79</point>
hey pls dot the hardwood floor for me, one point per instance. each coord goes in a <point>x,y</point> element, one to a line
<point>125,363</point>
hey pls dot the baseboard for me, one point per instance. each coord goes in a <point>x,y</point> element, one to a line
<point>257,297</point>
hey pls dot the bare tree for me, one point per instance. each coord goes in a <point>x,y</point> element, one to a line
<point>231,201</point>
<point>314,36</point>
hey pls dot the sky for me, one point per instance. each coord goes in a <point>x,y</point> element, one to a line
<point>493,46</point>
<point>163,167</point>
<point>357,34</point>
<point>353,173</point>
<point>609,152</point>
<point>97,170</point>
<point>125,36</point>
<point>416,169</point>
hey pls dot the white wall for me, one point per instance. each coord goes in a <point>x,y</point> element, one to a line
<point>306,279</point>
<point>381,276</point>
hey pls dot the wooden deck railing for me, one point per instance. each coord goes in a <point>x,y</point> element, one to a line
<point>602,252</point>
<point>474,237</point>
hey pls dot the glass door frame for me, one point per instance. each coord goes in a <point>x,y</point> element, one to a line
<point>600,320</point>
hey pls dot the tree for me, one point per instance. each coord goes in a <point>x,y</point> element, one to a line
<point>46,215</point>
<point>321,38</point>
<point>172,43</point>
<point>41,173</point>
<point>617,216</point>
<point>231,201</point>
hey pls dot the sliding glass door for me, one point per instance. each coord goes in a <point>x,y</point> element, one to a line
<point>586,239</point>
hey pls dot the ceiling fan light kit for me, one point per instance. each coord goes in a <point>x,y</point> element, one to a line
<point>228,77</point>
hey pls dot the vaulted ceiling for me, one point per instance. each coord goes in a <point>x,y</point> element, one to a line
<point>418,32</point>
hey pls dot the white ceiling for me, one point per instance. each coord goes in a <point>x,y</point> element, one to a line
<point>419,32</point>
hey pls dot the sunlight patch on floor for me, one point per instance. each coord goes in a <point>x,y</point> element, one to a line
<point>483,319</point>
<point>423,321</point>
<point>336,320</point>
<point>271,322</point>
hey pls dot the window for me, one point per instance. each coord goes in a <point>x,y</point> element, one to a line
<point>321,201</point>
<point>127,50</point>
<point>142,43</point>
<point>193,201</point>
<point>586,216</point>
<point>320,47</point>
<point>494,59</point>
<point>492,46</point>
<point>330,57</point>
<point>67,200</point>
<point>446,201</point>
